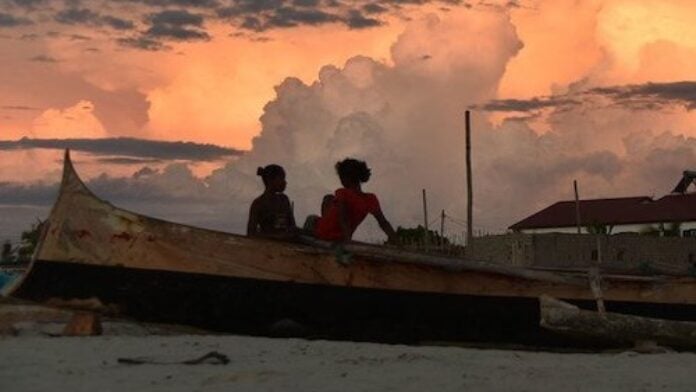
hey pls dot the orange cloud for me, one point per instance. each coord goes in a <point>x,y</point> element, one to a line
<point>560,46</point>
<point>639,34</point>
<point>607,42</point>
<point>77,121</point>
<point>219,89</point>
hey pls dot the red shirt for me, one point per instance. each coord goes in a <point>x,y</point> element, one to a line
<point>357,204</point>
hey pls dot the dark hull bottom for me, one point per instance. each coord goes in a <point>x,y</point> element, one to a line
<point>254,306</point>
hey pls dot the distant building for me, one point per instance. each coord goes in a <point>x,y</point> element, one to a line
<point>673,214</point>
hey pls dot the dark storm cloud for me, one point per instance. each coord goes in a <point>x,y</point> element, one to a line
<point>651,95</point>
<point>76,16</point>
<point>648,96</point>
<point>79,37</point>
<point>19,107</point>
<point>374,8</point>
<point>142,43</point>
<point>252,23</point>
<point>272,14</point>
<point>154,23</point>
<point>42,58</point>
<point>291,17</point>
<point>305,3</point>
<point>27,194</point>
<point>128,161</point>
<point>178,25</point>
<point>174,183</point>
<point>117,23</point>
<point>176,18</point>
<point>85,16</point>
<point>524,105</point>
<point>176,33</point>
<point>356,20</point>
<point>8,20</point>
<point>248,7</point>
<point>27,4</point>
<point>128,147</point>
<point>177,3</point>
<point>175,25</point>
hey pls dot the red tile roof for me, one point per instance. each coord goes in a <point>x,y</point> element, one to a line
<point>625,210</point>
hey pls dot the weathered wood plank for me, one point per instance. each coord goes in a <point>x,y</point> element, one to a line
<point>567,319</point>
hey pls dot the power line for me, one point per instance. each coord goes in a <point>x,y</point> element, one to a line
<point>433,221</point>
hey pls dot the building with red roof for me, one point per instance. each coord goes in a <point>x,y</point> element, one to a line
<point>675,213</point>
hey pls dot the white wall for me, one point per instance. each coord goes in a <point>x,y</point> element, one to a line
<point>631,228</point>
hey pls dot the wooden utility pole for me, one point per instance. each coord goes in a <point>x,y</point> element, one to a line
<point>577,206</point>
<point>425,218</point>
<point>469,185</point>
<point>594,274</point>
<point>596,278</point>
<point>442,229</point>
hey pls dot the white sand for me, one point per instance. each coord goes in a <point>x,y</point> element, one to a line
<point>90,364</point>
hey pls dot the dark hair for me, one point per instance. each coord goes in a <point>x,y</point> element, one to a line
<point>270,172</point>
<point>353,170</point>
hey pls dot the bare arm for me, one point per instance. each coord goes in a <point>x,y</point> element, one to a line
<point>385,226</point>
<point>253,223</point>
<point>291,215</point>
<point>343,220</point>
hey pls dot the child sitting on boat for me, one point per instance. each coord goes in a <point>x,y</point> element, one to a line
<point>343,212</point>
<point>271,214</point>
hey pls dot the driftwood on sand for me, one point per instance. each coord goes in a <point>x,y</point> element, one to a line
<point>622,329</point>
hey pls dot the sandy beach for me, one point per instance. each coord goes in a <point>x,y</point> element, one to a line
<point>91,364</point>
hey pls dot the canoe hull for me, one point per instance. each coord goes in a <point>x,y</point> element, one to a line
<point>250,306</point>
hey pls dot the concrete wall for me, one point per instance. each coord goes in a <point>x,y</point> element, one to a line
<point>621,253</point>
<point>515,249</point>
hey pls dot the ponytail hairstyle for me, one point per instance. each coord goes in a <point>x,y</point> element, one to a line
<point>353,170</point>
<point>270,172</point>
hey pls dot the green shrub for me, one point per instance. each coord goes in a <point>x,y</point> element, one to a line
<point>418,235</point>
<point>23,252</point>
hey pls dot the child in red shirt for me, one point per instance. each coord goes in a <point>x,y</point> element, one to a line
<point>343,213</point>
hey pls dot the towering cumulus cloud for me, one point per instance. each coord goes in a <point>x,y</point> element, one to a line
<point>405,119</point>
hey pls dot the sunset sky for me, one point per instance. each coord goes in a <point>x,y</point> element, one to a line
<point>599,91</point>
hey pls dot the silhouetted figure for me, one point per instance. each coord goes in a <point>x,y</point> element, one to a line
<point>271,214</point>
<point>343,212</point>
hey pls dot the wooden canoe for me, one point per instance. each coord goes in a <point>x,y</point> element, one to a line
<point>161,271</point>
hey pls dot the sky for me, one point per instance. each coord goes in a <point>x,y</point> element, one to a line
<point>170,105</point>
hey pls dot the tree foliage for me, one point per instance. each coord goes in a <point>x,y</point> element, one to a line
<point>599,228</point>
<point>23,252</point>
<point>418,235</point>
<point>671,230</point>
